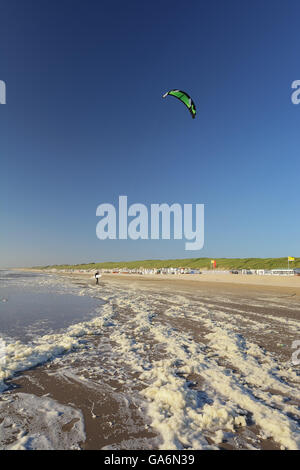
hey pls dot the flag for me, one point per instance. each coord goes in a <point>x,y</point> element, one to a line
<point>213,263</point>
<point>291,258</point>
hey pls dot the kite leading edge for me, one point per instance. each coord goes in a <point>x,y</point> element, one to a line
<point>185,99</point>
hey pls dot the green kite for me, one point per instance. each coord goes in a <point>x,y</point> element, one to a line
<point>184,98</point>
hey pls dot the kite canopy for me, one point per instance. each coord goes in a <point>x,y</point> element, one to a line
<point>184,98</point>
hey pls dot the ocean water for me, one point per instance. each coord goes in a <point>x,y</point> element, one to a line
<point>39,304</point>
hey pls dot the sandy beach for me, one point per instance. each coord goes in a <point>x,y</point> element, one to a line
<point>192,362</point>
<point>284,284</point>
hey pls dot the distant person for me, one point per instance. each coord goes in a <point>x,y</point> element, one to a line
<point>97,277</point>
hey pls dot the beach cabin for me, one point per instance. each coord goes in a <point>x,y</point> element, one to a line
<point>282,272</point>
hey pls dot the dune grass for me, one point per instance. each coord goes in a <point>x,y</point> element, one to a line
<point>193,263</point>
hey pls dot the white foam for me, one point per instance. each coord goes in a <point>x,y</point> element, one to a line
<point>228,396</point>
<point>20,356</point>
<point>28,422</point>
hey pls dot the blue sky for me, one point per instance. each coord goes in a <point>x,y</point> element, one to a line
<point>85,122</point>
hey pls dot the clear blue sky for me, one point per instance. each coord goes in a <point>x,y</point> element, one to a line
<point>85,122</point>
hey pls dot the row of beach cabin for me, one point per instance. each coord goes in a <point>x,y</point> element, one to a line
<point>177,271</point>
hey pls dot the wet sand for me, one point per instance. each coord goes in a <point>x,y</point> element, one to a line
<point>260,319</point>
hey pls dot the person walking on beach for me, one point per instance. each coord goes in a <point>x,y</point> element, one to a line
<point>97,276</point>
